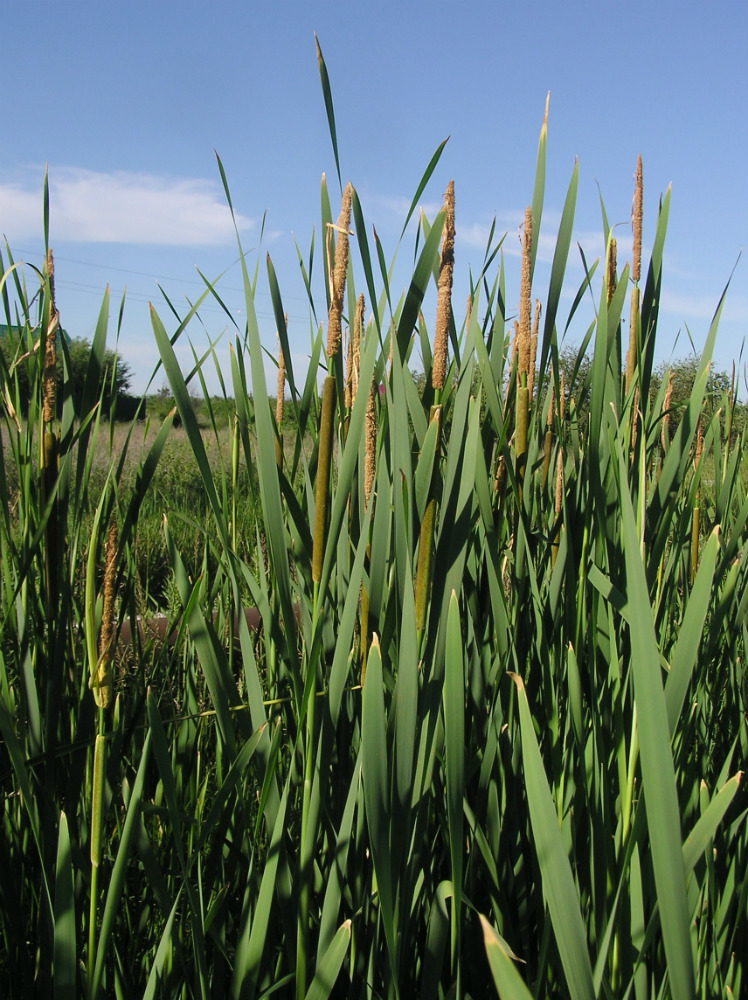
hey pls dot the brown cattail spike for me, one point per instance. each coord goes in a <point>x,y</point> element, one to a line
<point>334,319</point>
<point>354,355</point>
<point>370,444</point>
<point>665,434</point>
<point>444,290</point>
<point>557,506</point>
<point>695,515</point>
<point>612,265</point>
<point>548,440</point>
<point>358,330</point>
<point>50,345</point>
<point>281,387</point>
<point>102,684</point>
<point>523,366</point>
<point>561,397</point>
<point>637,215</point>
<point>533,347</point>
<point>280,393</point>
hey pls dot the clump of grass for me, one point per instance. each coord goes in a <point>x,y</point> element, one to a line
<point>452,739</point>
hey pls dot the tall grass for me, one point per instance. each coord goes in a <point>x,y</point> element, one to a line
<point>536,784</point>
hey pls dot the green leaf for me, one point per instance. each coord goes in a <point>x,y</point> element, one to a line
<point>66,948</point>
<point>327,94</point>
<point>376,792</point>
<point>559,890</point>
<point>423,182</point>
<point>328,969</point>
<point>454,750</point>
<point>117,879</point>
<point>658,775</point>
<point>509,984</point>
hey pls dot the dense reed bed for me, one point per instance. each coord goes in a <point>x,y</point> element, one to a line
<point>490,733</point>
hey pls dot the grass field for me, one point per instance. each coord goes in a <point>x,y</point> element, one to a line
<point>490,734</point>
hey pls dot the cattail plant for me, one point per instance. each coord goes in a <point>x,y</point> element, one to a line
<point>696,510</point>
<point>559,486</point>
<point>548,439</point>
<point>279,401</point>
<point>370,449</point>
<point>49,439</point>
<point>611,279</point>
<point>533,349</point>
<point>637,216</point>
<point>666,407</point>
<point>327,416</point>
<point>522,405</point>
<point>438,374</point>
<point>353,361</point>
<point>322,497</point>
<point>281,823</point>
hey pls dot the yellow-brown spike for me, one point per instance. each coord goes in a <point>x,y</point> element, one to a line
<point>665,433</point>
<point>354,354</point>
<point>525,305</point>
<point>561,397</point>
<point>102,685</point>
<point>370,444</point>
<point>548,440</point>
<point>557,505</point>
<point>335,315</point>
<point>50,346</point>
<point>533,348</point>
<point>280,393</point>
<point>444,291</point>
<point>612,265</point>
<point>637,217</point>
<point>695,516</point>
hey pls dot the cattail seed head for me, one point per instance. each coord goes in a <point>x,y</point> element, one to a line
<point>444,290</point>
<point>561,397</point>
<point>102,686</point>
<point>523,360</point>
<point>281,386</point>
<point>612,264</point>
<point>533,347</point>
<point>665,433</point>
<point>50,346</point>
<point>334,319</point>
<point>354,355</point>
<point>559,484</point>
<point>370,444</point>
<point>637,215</point>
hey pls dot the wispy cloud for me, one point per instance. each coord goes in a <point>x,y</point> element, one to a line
<point>87,206</point>
<point>702,307</point>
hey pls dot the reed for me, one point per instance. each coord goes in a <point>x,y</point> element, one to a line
<point>413,736</point>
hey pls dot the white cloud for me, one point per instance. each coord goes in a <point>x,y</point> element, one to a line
<point>87,206</point>
<point>692,307</point>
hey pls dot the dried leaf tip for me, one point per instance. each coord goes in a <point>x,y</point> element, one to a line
<point>444,290</point>
<point>637,215</point>
<point>337,281</point>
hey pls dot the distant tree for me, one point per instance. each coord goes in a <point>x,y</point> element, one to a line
<point>115,379</point>
<point>113,383</point>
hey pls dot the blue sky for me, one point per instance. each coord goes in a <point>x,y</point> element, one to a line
<point>127,102</point>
